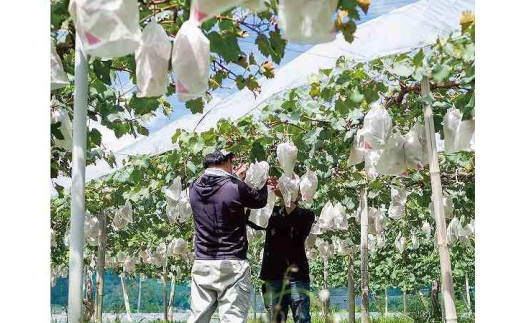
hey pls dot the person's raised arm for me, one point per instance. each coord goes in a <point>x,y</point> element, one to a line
<point>252,198</point>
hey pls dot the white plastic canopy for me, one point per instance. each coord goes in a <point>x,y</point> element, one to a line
<point>412,26</point>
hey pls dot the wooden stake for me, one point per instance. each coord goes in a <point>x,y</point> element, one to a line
<point>171,302</point>
<point>125,296</point>
<point>351,292</point>
<point>468,296</point>
<point>365,314</point>
<point>164,293</point>
<point>326,305</point>
<point>440,221</point>
<point>100,281</point>
<point>254,303</point>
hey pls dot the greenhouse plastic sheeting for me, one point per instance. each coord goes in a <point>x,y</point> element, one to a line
<point>402,30</point>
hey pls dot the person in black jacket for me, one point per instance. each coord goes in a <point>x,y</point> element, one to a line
<point>285,259</point>
<point>221,275</point>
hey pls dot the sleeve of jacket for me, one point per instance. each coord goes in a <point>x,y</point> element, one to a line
<point>251,198</point>
<point>306,226</point>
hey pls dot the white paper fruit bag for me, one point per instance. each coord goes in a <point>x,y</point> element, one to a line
<point>371,220</point>
<point>400,242</point>
<point>107,28</point>
<point>415,241</point>
<point>452,121</point>
<point>308,185</point>
<point>59,78</point>
<point>377,127</point>
<point>190,62</point>
<point>372,243</point>
<point>289,187</point>
<point>255,5</point>
<point>177,247</point>
<point>261,216</point>
<point>287,154</point>
<point>397,206</point>
<point>152,59</point>
<point>381,240</point>
<point>466,136</point>
<point>326,219</point>
<point>379,220</point>
<point>129,265</point>
<point>184,207</point>
<point>310,241</point>
<point>339,214</point>
<point>421,134</point>
<point>123,216</point>
<point>202,10</point>
<point>453,231</point>
<point>256,175</point>
<point>358,148</point>
<point>174,191</point>
<point>371,159</point>
<point>413,150</point>
<point>307,21</point>
<point>324,247</point>
<point>342,247</point>
<point>62,116</point>
<point>427,229</point>
<point>447,203</point>
<point>392,160</point>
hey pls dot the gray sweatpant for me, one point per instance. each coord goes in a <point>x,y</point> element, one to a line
<point>220,284</point>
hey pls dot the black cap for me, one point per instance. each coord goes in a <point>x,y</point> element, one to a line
<point>217,157</point>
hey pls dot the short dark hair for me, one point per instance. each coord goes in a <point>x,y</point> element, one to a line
<point>217,158</point>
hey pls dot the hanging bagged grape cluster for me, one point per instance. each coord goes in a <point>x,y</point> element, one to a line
<point>152,59</point>
<point>261,216</point>
<point>256,175</point>
<point>178,207</point>
<point>123,216</point>
<point>307,21</point>
<point>458,135</point>
<point>61,116</point>
<point>178,247</point>
<point>107,28</point>
<point>59,78</point>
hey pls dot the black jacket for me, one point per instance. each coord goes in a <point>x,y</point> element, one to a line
<point>285,244</point>
<point>218,204</point>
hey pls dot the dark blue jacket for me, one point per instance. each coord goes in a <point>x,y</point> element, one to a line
<point>218,204</point>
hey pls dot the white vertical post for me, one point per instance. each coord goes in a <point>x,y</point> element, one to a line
<point>139,296</point>
<point>351,292</point>
<point>440,220</point>
<point>386,301</point>
<point>468,296</point>
<point>79,139</point>
<point>100,279</point>
<point>126,299</point>
<point>365,312</point>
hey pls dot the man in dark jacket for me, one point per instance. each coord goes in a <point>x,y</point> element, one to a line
<point>285,268</point>
<point>221,275</point>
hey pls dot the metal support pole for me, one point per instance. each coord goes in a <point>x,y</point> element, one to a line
<point>100,281</point>
<point>139,296</point>
<point>365,312</point>
<point>351,291</point>
<point>440,220</point>
<point>386,301</point>
<point>79,139</point>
